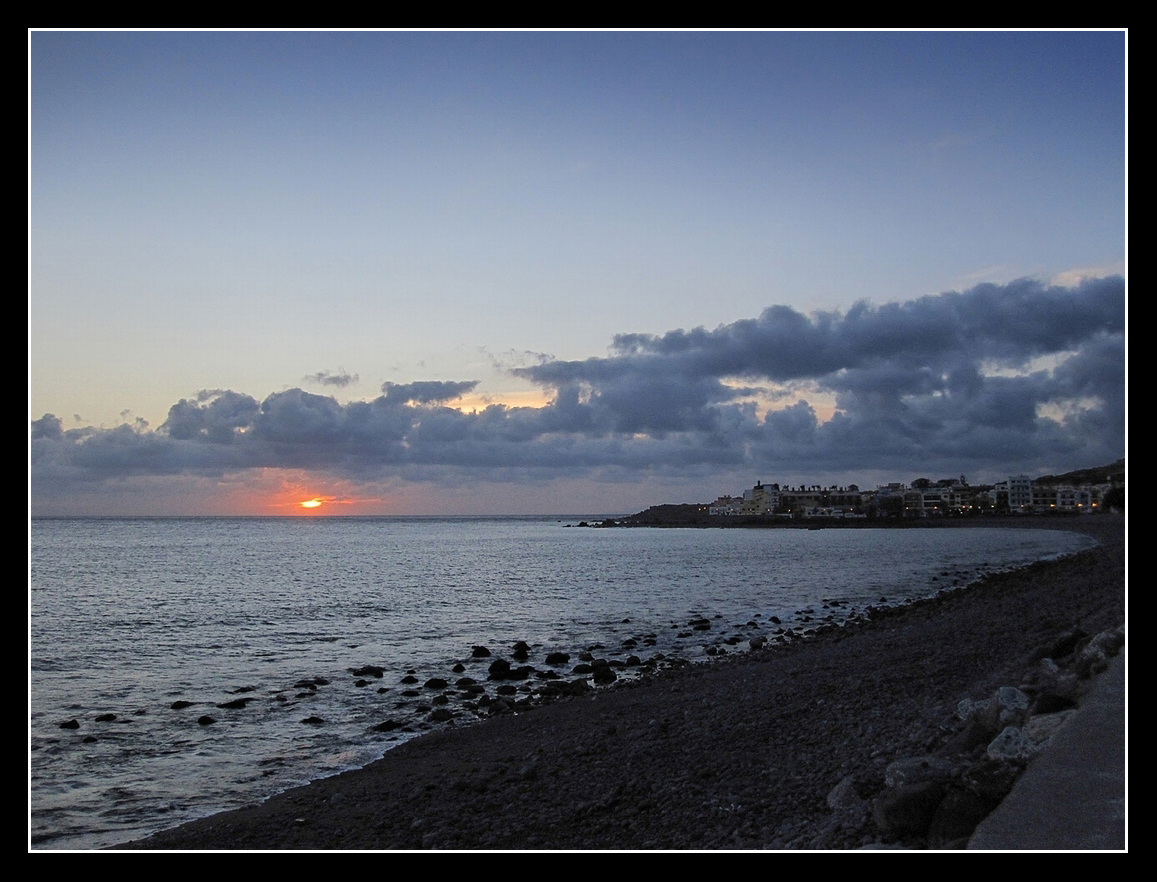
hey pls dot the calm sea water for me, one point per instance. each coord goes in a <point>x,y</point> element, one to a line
<point>129,616</point>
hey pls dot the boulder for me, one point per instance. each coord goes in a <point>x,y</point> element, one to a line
<point>908,810</point>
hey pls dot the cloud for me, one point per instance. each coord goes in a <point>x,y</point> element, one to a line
<point>324,378</point>
<point>426,391</point>
<point>913,384</point>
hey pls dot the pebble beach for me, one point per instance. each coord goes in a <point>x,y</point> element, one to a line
<point>784,747</point>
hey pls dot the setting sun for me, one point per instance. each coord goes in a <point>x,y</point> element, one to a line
<point>311,503</point>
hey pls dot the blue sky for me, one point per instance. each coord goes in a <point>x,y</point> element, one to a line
<point>223,222</point>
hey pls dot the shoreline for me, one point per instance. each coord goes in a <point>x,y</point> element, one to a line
<point>738,753</point>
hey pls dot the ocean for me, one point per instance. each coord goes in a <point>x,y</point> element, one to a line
<point>131,618</point>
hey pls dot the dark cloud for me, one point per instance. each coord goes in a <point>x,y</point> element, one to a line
<point>324,378</point>
<point>999,378</point>
<point>426,391</point>
<point>47,427</point>
<point>216,416</point>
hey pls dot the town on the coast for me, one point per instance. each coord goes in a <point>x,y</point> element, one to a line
<point>924,498</point>
<point>1081,492</point>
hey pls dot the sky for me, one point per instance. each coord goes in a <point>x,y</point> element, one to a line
<point>579,272</point>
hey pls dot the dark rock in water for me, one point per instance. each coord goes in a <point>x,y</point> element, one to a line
<point>499,669</point>
<point>605,674</point>
<point>180,704</point>
<point>497,707</point>
<point>436,683</point>
<point>241,690</point>
<point>313,721</point>
<point>465,681</point>
<point>441,715</point>
<point>522,646</point>
<point>775,620</point>
<point>480,652</point>
<point>459,668</point>
<point>235,704</point>
<point>368,671</point>
<point>411,693</point>
<point>106,718</point>
<point>305,684</point>
<point>520,654</point>
<point>360,683</point>
<point>409,679</point>
<point>206,720</point>
<point>387,726</point>
<point>564,687</point>
<point>89,739</point>
<point>70,724</point>
<point>582,669</point>
<point>320,681</point>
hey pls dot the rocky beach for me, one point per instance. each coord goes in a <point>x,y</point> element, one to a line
<point>855,737</point>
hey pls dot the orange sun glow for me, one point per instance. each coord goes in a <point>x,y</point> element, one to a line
<point>311,503</point>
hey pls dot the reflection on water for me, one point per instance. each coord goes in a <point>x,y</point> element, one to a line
<point>130,616</point>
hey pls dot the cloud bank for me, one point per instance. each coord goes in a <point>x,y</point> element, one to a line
<point>998,377</point>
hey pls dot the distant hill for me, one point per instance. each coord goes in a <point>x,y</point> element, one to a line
<point>686,515</point>
<point>1114,473</point>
